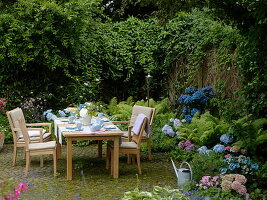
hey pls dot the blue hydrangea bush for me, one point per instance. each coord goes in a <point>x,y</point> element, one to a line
<point>195,101</point>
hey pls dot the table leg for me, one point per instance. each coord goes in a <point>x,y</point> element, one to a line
<point>69,159</point>
<point>100,148</point>
<point>116,158</point>
<point>58,149</point>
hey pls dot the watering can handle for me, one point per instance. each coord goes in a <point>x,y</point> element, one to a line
<point>175,168</point>
<point>191,172</point>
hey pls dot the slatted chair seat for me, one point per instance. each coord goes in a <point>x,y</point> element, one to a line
<point>43,145</point>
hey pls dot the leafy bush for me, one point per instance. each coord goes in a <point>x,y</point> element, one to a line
<point>204,131</point>
<point>158,193</point>
<point>251,135</point>
<point>206,164</point>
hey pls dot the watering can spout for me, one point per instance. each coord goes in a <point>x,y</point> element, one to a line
<point>175,168</point>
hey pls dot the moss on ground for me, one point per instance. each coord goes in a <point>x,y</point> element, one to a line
<point>90,178</point>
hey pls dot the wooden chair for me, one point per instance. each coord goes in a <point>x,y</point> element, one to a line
<point>36,134</point>
<point>127,135</point>
<point>40,148</point>
<point>130,148</point>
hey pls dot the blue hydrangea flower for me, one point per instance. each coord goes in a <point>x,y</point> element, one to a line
<point>218,148</point>
<point>61,113</point>
<point>171,120</point>
<point>185,110</point>
<point>46,112</point>
<point>226,138</point>
<point>254,166</point>
<point>194,111</point>
<point>190,90</point>
<point>197,95</point>
<point>182,98</point>
<point>168,130</point>
<point>50,116</point>
<point>177,122</point>
<point>223,170</point>
<point>202,149</point>
<point>188,100</point>
<point>207,89</point>
<point>204,99</point>
<point>188,118</point>
<point>233,166</point>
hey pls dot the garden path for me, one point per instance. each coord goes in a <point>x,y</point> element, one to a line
<point>90,178</point>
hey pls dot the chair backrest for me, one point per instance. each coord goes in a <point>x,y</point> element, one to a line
<point>137,138</point>
<point>24,132</point>
<point>148,111</point>
<point>13,117</point>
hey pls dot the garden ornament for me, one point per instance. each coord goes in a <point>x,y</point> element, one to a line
<point>183,174</point>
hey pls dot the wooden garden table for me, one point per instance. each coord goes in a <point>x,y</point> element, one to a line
<point>100,135</point>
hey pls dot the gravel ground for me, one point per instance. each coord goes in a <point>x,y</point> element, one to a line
<point>90,178</point>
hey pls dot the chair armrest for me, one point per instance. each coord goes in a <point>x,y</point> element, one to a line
<point>41,124</point>
<point>16,129</point>
<point>120,122</point>
<point>130,133</point>
<point>37,129</point>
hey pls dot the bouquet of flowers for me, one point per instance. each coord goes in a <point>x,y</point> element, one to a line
<point>195,101</point>
<point>88,109</point>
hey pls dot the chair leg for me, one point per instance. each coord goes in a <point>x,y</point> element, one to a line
<point>41,161</point>
<point>108,157</point>
<point>133,158</point>
<point>24,153</point>
<point>14,155</point>
<point>128,159</point>
<point>149,149</point>
<point>138,163</point>
<point>55,162</point>
<point>28,162</point>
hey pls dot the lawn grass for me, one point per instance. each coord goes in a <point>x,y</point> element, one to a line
<point>90,178</point>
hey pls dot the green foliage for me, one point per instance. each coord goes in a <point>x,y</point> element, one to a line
<point>44,45</point>
<point>5,128</point>
<point>218,194</point>
<point>206,165</point>
<point>181,155</point>
<point>250,134</point>
<point>158,193</point>
<point>204,131</point>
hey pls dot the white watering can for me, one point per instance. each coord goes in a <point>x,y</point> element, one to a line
<point>183,174</point>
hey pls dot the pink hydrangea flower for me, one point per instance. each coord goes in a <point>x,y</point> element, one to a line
<point>226,185</point>
<point>227,148</point>
<point>242,190</point>
<point>240,178</point>
<point>227,156</point>
<point>235,149</point>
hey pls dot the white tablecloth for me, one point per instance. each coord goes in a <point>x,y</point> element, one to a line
<point>58,130</point>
